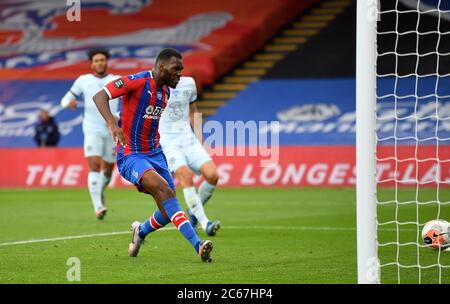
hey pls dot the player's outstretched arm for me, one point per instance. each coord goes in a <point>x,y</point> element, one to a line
<point>101,101</point>
<point>69,101</point>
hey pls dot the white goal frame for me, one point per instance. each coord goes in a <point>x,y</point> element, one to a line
<point>367,257</point>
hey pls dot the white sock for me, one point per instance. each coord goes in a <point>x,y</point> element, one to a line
<point>95,185</point>
<point>105,180</point>
<point>205,191</point>
<point>105,183</point>
<point>194,203</point>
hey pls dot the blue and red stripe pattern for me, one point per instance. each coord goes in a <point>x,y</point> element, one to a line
<point>179,219</point>
<point>154,223</point>
<point>142,105</point>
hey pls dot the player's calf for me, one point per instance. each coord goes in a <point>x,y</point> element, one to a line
<point>168,204</point>
<point>155,222</point>
<point>95,191</point>
<point>209,172</point>
<point>212,178</point>
<point>207,187</point>
<point>180,220</point>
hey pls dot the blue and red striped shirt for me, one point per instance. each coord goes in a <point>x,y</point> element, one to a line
<point>142,105</point>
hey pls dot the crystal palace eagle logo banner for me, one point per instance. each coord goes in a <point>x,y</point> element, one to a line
<point>37,34</point>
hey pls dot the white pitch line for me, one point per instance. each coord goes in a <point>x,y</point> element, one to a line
<point>84,236</point>
<point>63,238</point>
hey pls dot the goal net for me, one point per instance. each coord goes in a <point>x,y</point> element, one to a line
<point>411,122</point>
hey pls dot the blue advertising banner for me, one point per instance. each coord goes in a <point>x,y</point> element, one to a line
<point>322,112</point>
<point>307,112</point>
<point>20,104</point>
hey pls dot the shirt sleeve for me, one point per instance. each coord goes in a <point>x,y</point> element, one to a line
<point>67,98</point>
<point>119,87</point>
<point>77,87</point>
<point>193,96</point>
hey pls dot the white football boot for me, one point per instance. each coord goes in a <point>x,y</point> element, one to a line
<point>100,213</point>
<point>136,241</point>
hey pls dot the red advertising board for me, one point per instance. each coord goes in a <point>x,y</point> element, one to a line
<point>318,166</point>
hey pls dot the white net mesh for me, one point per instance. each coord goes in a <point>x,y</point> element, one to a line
<point>413,137</point>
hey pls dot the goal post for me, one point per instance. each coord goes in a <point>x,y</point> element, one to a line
<point>402,139</point>
<point>367,260</point>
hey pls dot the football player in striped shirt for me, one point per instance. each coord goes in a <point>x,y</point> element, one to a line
<point>140,158</point>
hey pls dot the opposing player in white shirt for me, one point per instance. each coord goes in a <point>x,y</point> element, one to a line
<point>99,147</point>
<point>186,155</point>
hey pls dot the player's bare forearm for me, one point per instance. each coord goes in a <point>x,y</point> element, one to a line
<point>72,104</point>
<point>101,100</point>
<point>69,101</point>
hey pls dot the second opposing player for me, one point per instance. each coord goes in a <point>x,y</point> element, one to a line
<point>186,155</point>
<point>98,143</point>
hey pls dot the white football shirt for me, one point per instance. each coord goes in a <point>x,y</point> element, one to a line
<point>175,120</point>
<point>84,88</point>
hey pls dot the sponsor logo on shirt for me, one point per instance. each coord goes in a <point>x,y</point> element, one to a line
<point>176,111</point>
<point>152,112</point>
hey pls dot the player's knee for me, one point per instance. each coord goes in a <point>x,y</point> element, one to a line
<point>94,169</point>
<point>212,178</point>
<point>185,177</point>
<point>94,164</point>
<point>107,171</point>
<point>163,191</point>
<point>186,181</point>
<point>159,188</point>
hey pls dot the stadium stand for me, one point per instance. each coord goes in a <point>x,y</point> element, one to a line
<point>213,36</point>
<point>273,59</point>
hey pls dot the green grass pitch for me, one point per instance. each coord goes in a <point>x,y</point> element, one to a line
<point>267,236</point>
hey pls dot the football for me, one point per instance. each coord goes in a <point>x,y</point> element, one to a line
<point>436,234</point>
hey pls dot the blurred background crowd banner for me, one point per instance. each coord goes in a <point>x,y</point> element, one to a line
<point>310,92</point>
